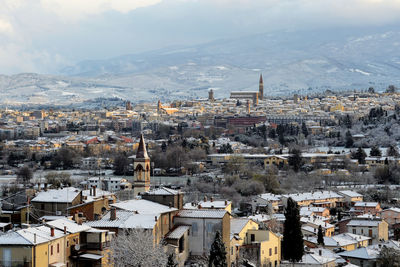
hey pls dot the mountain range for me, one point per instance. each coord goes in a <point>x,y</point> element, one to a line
<point>291,62</point>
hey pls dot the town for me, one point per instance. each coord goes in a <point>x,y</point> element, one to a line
<point>249,180</point>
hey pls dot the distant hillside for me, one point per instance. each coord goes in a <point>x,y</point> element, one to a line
<point>304,62</point>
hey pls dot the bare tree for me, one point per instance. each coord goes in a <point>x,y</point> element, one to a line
<point>136,248</point>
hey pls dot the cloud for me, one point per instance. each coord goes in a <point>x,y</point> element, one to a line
<point>71,10</point>
<point>5,27</point>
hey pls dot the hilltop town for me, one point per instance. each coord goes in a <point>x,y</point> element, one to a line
<point>185,176</point>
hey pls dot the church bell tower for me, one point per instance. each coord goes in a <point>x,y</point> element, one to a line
<point>141,167</point>
<point>261,88</point>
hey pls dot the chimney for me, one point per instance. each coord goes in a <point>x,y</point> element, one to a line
<point>226,202</point>
<point>94,190</point>
<point>38,187</point>
<point>45,186</point>
<point>34,238</point>
<point>199,207</point>
<point>205,198</point>
<point>90,191</point>
<point>51,231</point>
<point>211,199</point>
<point>113,215</point>
<point>155,218</point>
<point>65,230</point>
<point>320,252</point>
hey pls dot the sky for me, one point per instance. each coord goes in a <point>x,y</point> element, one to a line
<point>44,36</point>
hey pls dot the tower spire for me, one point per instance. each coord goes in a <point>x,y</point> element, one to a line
<point>261,88</point>
<point>141,152</point>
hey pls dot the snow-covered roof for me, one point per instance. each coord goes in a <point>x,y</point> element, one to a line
<point>71,226</point>
<point>349,193</point>
<point>206,213</point>
<point>126,220</point>
<point>361,253</point>
<point>392,209</point>
<point>163,191</point>
<point>366,204</point>
<point>143,206</point>
<point>318,195</point>
<point>13,238</point>
<point>270,197</point>
<point>237,224</point>
<point>216,204</point>
<point>43,234</point>
<point>364,223</point>
<point>315,259</point>
<point>178,232</point>
<point>64,195</point>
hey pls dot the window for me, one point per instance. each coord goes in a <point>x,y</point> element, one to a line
<point>276,250</point>
<point>231,250</point>
<point>354,231</point>
<point>270,251</point>
<point>51,250</point>
<point>181,244</point>
<point>58,248</point>
<point>252,238</point>
<point>67,244</point>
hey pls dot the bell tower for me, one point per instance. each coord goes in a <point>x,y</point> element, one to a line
<point>261,88</point>
<point>141,166</point>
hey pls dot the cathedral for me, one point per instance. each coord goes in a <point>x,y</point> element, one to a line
<point>141,166</point>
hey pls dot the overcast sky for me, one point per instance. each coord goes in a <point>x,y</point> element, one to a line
<point>45,35</point>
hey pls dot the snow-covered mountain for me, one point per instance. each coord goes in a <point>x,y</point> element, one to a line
<point>303,62</point>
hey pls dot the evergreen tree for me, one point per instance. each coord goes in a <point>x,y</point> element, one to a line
<point>217,253</point>
<point>348,122</point>
<point>375,152</point>
<point>163,146</point>
<point>292,244</point>
<point>171,261</point>
<point>349,140</point>
<point>392,152</point>
<point>295,159</point>
<point>304,129</point>
<point>320,239</point>
<point>359,155</point>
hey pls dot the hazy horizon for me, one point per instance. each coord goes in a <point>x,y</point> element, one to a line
<point>44,36</point>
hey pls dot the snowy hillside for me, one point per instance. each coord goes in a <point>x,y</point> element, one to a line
<point>290,62</point>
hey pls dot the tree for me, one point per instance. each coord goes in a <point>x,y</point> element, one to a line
<point>217,253</point>
<point>57,179</point>
<point>320,238</point>
<point>64,158</point>
<point>371,90</point>
<point>121,164</point>
<point>375,152</point>
<point>136,248</point>
<point>391,89</point>
<point>292,244</point>
<point>25,174</point>
<point>348,122</point>
<point>389,257</point>
<point>392,151</point>
<point>295,159</point>
<point>349,140</point>
<point>359,155</point>
<point>171,261</point>
<point>304,129</point>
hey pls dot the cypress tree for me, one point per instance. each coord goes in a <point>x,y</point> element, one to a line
<point>292,244</point>
<point>320,238</point>
<point>171,261</point>
<point>217,253</point>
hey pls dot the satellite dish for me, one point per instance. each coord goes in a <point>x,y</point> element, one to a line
<point>77,247</point>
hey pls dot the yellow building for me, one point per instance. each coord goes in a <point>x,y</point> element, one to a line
<point>249,242</point>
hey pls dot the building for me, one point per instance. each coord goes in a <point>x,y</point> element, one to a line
<point>261,88</point>
<point>55,201</point>
<point>246,95</point>
<point>248,240</point>
<point>345,241</point>
<point>391,216</point>
<point>376,228</point>
<point>203,226</point>
<point>351,197</point>
<point>141,167</point>
<point>211,95</point>
<point>165,196</point>
<point>367,207</point>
